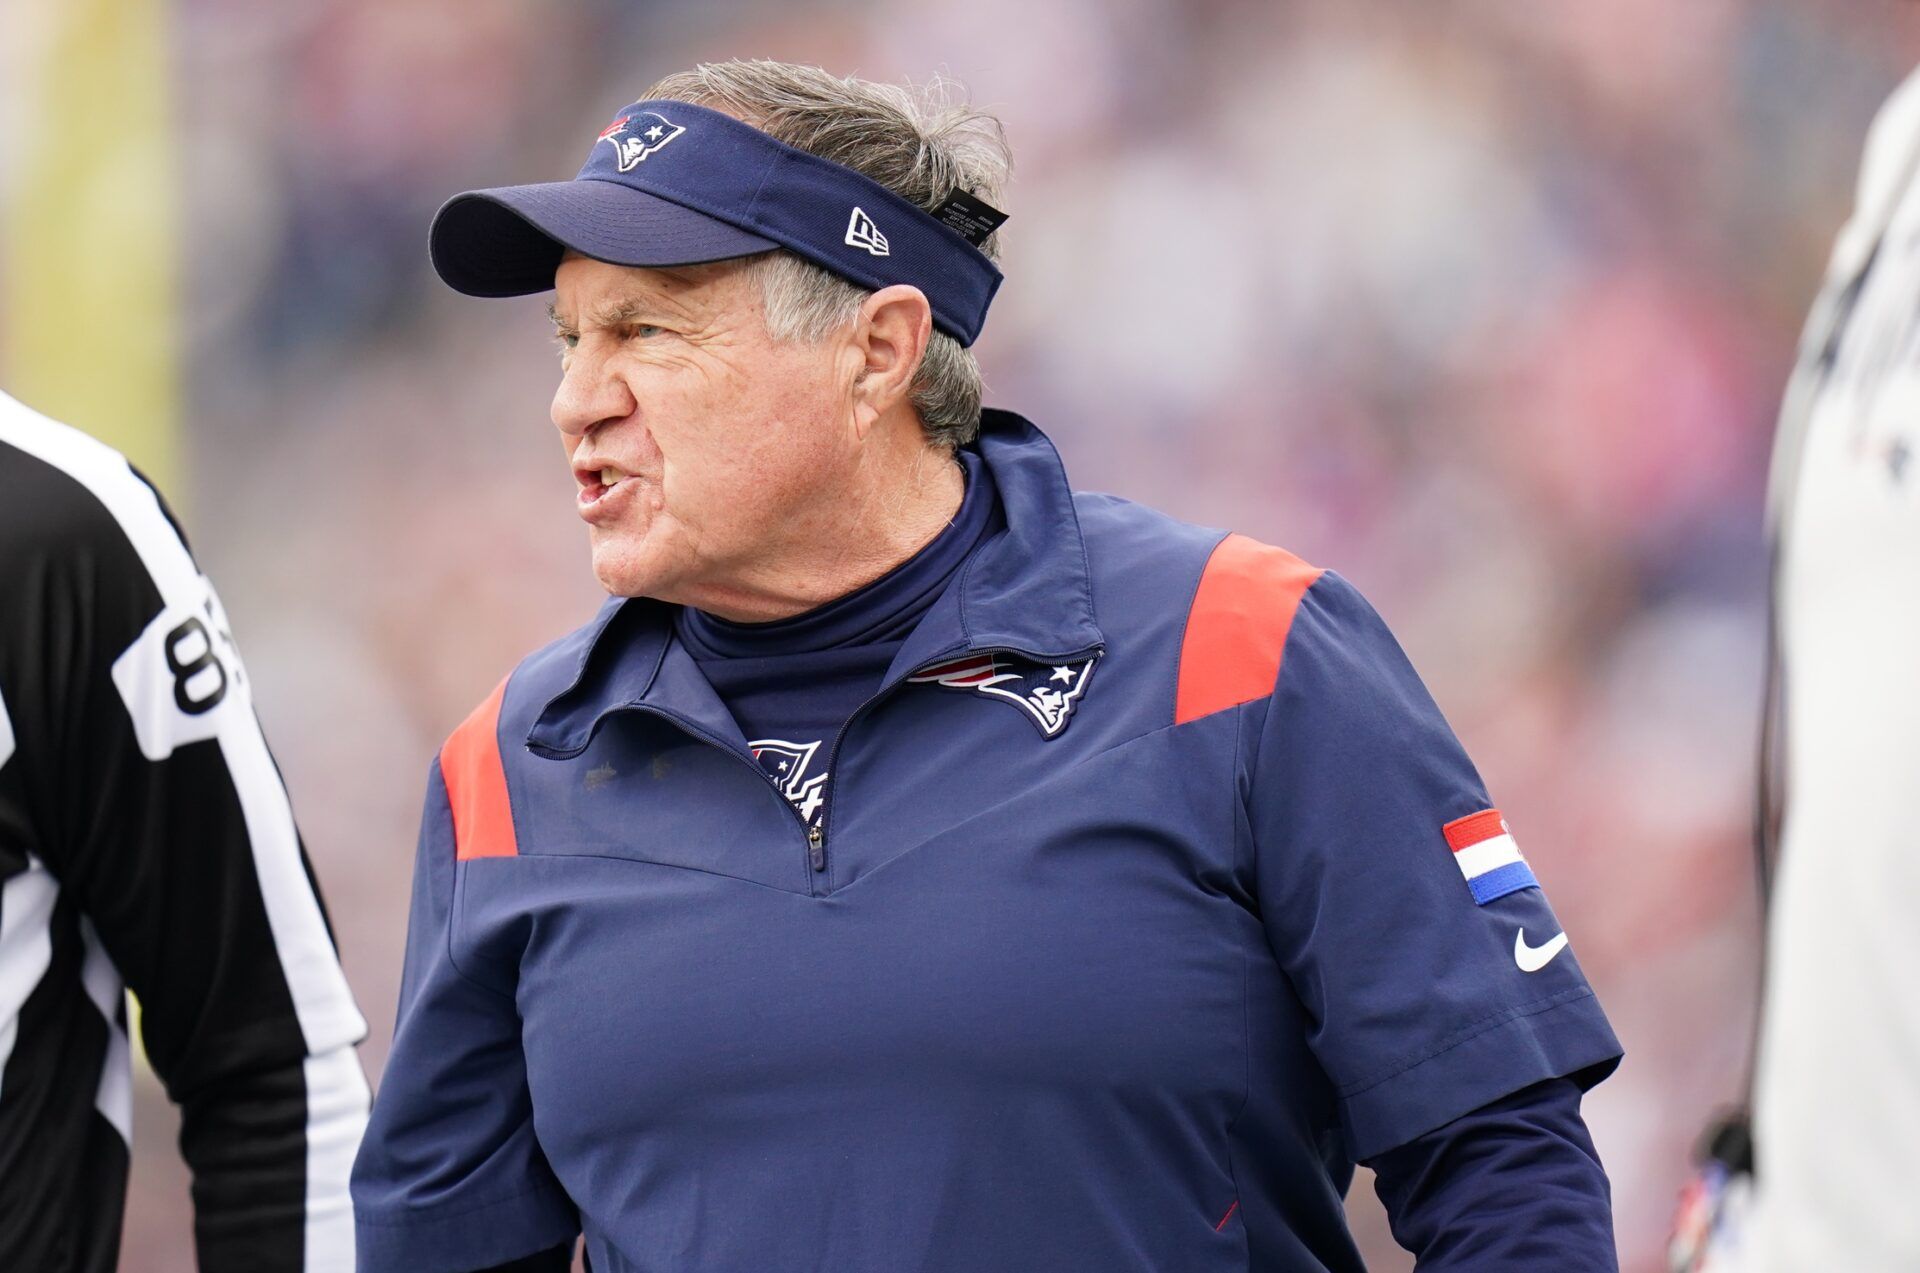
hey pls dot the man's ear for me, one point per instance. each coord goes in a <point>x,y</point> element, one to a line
<point>890,336</point>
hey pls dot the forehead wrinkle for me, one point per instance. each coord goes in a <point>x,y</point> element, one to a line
<point>682,277</point>
<point>689,293</point>
<point>621,311</point>
<point>645,299</point>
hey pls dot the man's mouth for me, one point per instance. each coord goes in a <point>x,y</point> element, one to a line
<point>597,483</point>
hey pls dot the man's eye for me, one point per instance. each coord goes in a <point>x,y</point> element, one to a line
<point>643,330</point>
<point>567,340</point>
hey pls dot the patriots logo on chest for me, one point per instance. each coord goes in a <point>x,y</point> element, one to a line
<point>787,763</point>
<point>1046,692</point>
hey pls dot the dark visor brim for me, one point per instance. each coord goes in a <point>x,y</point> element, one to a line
<point>508,241</point>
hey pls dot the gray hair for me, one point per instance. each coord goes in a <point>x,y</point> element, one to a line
<point>923,143</point>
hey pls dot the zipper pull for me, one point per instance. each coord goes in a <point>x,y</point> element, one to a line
<point>817,847</point>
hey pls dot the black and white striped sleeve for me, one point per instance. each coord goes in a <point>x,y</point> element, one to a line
<point>151,805</point>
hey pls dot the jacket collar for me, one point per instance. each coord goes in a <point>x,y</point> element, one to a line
<point>1026,590</point>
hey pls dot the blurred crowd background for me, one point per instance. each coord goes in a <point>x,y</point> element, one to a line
<point>1486,305</point>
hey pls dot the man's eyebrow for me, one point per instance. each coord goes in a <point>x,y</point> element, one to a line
<point>618,313</point>
<point>622,313</point>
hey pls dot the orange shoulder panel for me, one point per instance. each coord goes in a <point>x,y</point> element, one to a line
<point>477,784</point>
<point>1237,628</point>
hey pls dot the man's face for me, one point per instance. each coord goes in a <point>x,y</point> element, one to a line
<point>696,439</point>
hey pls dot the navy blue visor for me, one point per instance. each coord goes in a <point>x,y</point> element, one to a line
<point>670,183</point>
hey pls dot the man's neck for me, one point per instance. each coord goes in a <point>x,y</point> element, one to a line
<point>888,509</point>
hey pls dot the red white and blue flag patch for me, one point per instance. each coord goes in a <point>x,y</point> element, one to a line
<point>1488,858</point>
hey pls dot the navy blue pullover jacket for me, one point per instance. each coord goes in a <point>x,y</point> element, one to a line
<point>1151,893</point>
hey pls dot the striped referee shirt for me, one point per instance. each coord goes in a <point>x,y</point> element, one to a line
<point>146,841</point>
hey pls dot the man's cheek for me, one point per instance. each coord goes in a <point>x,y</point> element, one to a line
<point>636,519</point>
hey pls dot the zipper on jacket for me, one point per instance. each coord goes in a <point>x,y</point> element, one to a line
<point>817,834</point>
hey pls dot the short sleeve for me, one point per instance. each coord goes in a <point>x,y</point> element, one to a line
<point>450,1177</point>
<point>1396,899</point>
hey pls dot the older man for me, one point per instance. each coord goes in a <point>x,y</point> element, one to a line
<point>918,865</point>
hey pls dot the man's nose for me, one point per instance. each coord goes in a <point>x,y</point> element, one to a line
<point>589,395</point>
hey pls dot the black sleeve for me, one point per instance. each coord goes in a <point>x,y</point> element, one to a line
<point>150,795</point>
<point>1513,1185</point>
<point>555,1260</point>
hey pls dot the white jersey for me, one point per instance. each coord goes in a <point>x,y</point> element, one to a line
<point>1837,1089</point>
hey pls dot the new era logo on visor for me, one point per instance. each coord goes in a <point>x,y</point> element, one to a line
<point>863,233</point>
<point>634,137</point>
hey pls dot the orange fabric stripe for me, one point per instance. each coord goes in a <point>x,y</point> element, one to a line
<point>1237,628</point>
<point>477,785</point>
<point>1474,828</point>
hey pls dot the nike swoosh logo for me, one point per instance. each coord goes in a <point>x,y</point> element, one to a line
<point>1534,958</point>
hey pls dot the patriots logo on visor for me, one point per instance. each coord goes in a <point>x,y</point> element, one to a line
<point>634,137</point>
<point>1045,692</point>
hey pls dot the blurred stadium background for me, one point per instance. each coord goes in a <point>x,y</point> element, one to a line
<point>1486,305</point>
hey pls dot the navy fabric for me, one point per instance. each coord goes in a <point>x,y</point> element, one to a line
<point>480,1084</point>
<point>1075,987</point>
<point>1353,725</point>
<point>709,188</point>
<point>1514,1187</point>
<point>791,685</point>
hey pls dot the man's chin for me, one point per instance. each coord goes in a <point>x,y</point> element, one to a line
<point>629,574</point>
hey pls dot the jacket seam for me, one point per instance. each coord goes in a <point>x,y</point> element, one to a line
<point>672,866</point>
<point>421,1216</point>
<point>1237,811</point>
<point>966,576</point>
<point>1246,797</point>
<point>1079,538</point>
<point>455,912</point>
<point>1470,1032</point>
<point>983,810</point>
<point>1186,622</point>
